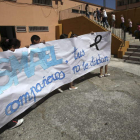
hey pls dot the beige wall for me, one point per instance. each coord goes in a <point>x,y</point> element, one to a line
<point>128,6</point>
<point>17,14</point>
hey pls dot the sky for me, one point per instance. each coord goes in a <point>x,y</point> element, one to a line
<point>109,3</point>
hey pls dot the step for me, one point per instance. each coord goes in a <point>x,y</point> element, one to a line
<point>133,49</point>
<point>131,41</point>
<point>133,62</point>
<point>133,53</point>
<point>130,38</point>
<point>134,46</point>
<point>134,58</point>
<point>137,40</point>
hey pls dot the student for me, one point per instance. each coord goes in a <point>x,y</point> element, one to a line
<point>87,10</point>
<point>104,15</point>
<point>113,19</point>
<point>63,36</point>
<point>129,26</point>
<point>101,72</point>
<point>94,14</point>
<point>98,15</point>
<point>71,84</point>
<point>35,39</point>
<point>122,22</point>
<point>137,31</point>
<point>11,45</point>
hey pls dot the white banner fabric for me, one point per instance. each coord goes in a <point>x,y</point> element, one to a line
<point>27,75</point>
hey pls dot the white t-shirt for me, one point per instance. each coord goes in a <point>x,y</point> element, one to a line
<point>104,13</point>
<point>122,18</point>
<point>130,24</point>
<point>113,17</point>
<point>95,14</point>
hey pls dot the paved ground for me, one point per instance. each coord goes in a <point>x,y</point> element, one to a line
<point>101,109</point>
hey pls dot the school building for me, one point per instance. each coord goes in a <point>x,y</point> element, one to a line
<point>127,4</point>
<point>23,18</point>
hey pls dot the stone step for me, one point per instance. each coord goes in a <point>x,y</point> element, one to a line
<point>137,40</point>
<point>134,58</point>
<point>133,62</point>
<point>134,46</point>
<point>133,53</point>
<point>130,38</point>
<point>131,41</point>
<point>133,49</point>
<point>112,56</point>
<point>126,35</point>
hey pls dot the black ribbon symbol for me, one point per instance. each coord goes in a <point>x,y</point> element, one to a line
<point>96,42</point>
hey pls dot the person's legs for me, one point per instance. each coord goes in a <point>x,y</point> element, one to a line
<point>72,87</point>
<point>123,26</point>
<point>135,33</point>
<point>15,123</point>
<point>130,32</point>
<point>101,72</point>
<point>106,22</point>
<point>98,18</point>
<point>106,68</point>
<point>60,90</point>
<point>103,22</point>
<point>138,34</point>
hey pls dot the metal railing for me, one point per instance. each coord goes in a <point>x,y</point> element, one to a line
<point>76,12</point>
<point>119,33</point>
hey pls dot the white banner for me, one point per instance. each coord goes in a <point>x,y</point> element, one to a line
<point>27,75</point>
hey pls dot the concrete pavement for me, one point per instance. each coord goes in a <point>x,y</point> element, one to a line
<point>105,108</point>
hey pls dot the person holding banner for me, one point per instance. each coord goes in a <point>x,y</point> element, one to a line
<point>11,45</point>
<point>101,72</point>
<point>63,36</point>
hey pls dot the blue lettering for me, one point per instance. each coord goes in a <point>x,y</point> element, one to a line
<point>38,88</point>
<point>76,69</point>
<point>85,66</point>
<point>79,54</point>
<point>29,68</point>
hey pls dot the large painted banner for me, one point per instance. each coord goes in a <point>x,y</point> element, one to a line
<point>27,75</point>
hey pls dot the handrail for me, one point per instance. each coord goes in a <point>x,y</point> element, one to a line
<point>75,12</point>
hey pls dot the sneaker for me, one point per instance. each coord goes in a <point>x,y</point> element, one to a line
<point>101,76</point>
<point>60,90</point>
<point>107,74</point>
<point>15,123</point>
<point>73,88</point>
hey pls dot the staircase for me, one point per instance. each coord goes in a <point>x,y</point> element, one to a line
<point>130,38</point>
<point>133,54</point>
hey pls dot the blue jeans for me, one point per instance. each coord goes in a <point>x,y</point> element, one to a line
<point>105,22</point>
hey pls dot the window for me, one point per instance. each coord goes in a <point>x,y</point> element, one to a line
<point>21,28</point>
<point>43,2</point>
<point>75,11</point>
<point>38,28</point>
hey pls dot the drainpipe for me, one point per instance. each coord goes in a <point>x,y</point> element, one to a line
<point>104,3</point>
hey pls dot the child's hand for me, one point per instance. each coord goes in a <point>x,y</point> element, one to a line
<point>43,42</point>
<point>27,46</point>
